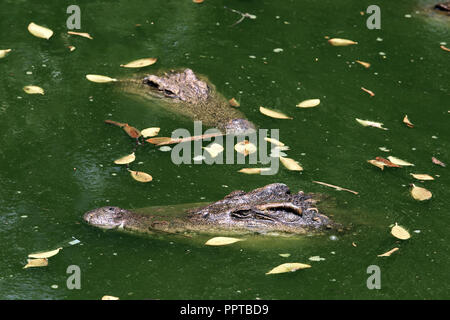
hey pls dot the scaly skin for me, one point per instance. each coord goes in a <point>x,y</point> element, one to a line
<point>183,92</point>
<point>270,209</point>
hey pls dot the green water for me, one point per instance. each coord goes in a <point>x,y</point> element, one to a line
<point>56,154</point>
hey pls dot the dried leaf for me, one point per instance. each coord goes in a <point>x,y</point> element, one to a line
<point>233,102</point>
<point>273,114</point>
<point>438,162</point>
<point>420,194</point>
<point>81,34</point>
<point>310,103</point>
<point>291,164</point>
<point>285,255</point>
<point>245,147</point>
<point>368,91</point>
<point>44,255</point>
<point>445,48</point>
<point>384,149</point>
<point>99,79</point>
<point>288,267</point>
<point>39,31</point>
<point>407,122</point>
<point>42,262</point>
<point>110,298</point>
<point>131,131</point>
<point>364,64</point>
<point>274,141</point>
<point>316,258</point>
<point>140,176</point>
<point>140,63</point>
<point>160,140</point>
<point>197,1</point>
<point>400,162</point>
<point>387,254</point>
<point>221,241</point>
<point>4,52</point>
<point>338,42</point>
<point>387,162</point>
<point>368,123</point>
<point>376,163</point>
<point>71,48</point>
<point>422,176</point>
<point>214,149</point>
<point>126,160</point>
<point>253,170</point>
<point>150,132</point>
<point>33,90</point>
<point>400,232</point>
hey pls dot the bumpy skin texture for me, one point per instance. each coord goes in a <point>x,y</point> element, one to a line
<point>198,99</point>
<point>270,209</point>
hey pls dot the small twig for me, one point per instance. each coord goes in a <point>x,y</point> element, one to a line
<point>160,141</point>
<point>243,16</point>
<point>335,187</point>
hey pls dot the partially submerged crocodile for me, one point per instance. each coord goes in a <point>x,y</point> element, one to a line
<point>185,93</point>
<point>268,210</point>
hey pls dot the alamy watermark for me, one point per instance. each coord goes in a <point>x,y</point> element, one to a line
<point>374,280</point>
<point>192,152</point>
<point>374,20</point>
<point>74,20</point>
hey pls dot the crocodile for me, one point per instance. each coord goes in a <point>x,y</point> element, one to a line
<point>443,7</point>
<point>183,92</point>
<point>271,209</point>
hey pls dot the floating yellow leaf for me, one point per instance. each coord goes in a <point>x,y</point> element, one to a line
<point>400,232</point>
<point>285,255</point>
<point>407,122</point>
<point>42,262</point>
<point>197,1</point>
<point>309,103</point>
<point>110,298</point>
<point>140,176</point>
<point>99,79</point>
<point>140,63</point>
<point>338,42</point>
<point>4,52</point>
<point>387,254</point>
<point>420,193</point>
<point>274,141</point>
<point>291,164</point>
<point>160,140</point>
<point>39,31</point>
<point>42,255</point>
<point>221,241</point>
<point>376,163</point>
<point>364,64</point>
<point>33,90</point>
<point>368,123</point>
<point>214,149</point>
<point>399,162</point>
<point>233,102</point>
<point>253,170</point>
<point>273,114</point>
<point>245,147</point>
<point>150,132</point>
<point>81,34</point>
<point>126,160</point>
<point>71,48</point>
<point>422,176</point>
<point>288,267</point>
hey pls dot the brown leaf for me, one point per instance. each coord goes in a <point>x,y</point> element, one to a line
<point>387,163</point>
<point>132,131</point>
<point>445,48</point>
<point>364,64</point>
<point>387,254</point>
<point>407,122</point>
<point>233,102</point>
<point>438,162</point>
<point>368,91</point>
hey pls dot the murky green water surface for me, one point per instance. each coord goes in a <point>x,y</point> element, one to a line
<point>56,153</point>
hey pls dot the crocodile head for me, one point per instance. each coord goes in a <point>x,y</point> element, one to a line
<point>265,210</point>
<point>184,86</point>
<point>108,217</point>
